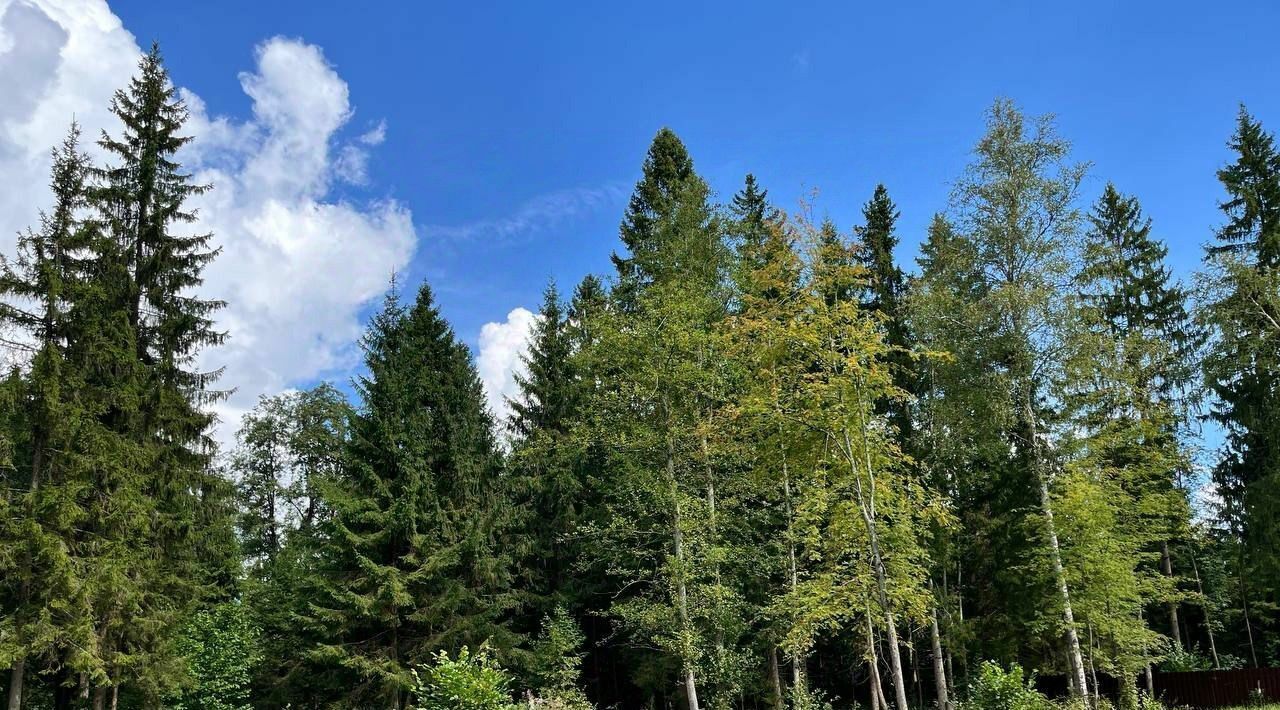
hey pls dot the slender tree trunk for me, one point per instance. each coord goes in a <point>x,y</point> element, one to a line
<point>775,677</point>
<point>100,698</point>
<point>873,665</point>
<point>964,660</point>
<point>939,673</point>
<point>1166,563</point>
<point>715,535</point>
<point>682,591</point>
<point>115,697</point>
<point>797,667</point>
<point>1059,575</point>
<point>1093,671</point>
<point>1248,624</point>
<point>16,677</point>
<point>915,672</point>
<point>866,504</point>
<point>1208,625</point>
<point>1073,638</point>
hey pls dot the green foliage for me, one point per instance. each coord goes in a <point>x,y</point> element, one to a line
<point>1181,660</point>
<point>805,698</point>
<point>406,561</point>
<point>469,681</point>
<point>998,689</point>
<point>222,651</point>
<point>558,653</point>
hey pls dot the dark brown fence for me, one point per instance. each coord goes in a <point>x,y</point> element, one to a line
<point>1217,689</point>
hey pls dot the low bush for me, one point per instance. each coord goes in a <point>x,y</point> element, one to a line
<point>472,681</point>
<point>1000,689</point>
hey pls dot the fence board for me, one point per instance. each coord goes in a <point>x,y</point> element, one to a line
<point>1217,689</point>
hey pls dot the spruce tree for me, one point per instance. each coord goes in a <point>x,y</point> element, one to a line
<point>166,528</point>
<point>1242,309</point>
<point>548,473</point>
<point>753,218</point>
<point>885,295</point>
<point>50,618</point>
<point>406,562</point>
<point>667,171</point>
<point>1128,368</point>
<point>1252,207</point>
<point>545,401</point>
<point>657,355</point>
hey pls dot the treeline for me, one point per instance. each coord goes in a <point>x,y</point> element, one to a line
<point>761,466</point>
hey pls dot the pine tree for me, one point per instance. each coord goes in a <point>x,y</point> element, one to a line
<point>406,562</point>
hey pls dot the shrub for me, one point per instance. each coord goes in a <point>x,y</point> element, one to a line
<point>557,662</point>
<point>221,649</point>
<point>1180,659</point>
<point>472,681</point>
<point>803,698</point>
<point>998,689</point>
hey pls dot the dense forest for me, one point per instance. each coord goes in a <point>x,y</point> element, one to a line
<point>761,465</point>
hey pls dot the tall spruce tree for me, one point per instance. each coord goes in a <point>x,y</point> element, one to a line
<point>1243,360</point>
<point>665,175</point>
<point>407,563</point>
<point>548,473</point>
<point>545,400</point>
<point>140,199</point>
<point>661,536</point>
<point>955,435</point>
<point>751,228</point>
<point>885,296</point>
<point>50,619</point>
<point>1129,364</point>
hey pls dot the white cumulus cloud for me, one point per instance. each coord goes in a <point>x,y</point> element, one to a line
<point>502,346</point>
<point>298,263</point>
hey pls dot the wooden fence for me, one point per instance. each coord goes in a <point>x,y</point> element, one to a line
<point>1202,690</point>
<point>1217,689</point>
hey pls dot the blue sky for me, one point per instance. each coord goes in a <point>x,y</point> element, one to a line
<point>521,126</point>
